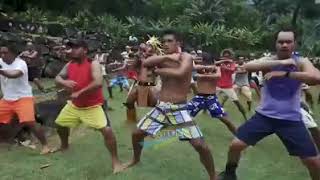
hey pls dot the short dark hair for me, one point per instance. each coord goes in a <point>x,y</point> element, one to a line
<point>78,43</point>
<point>176,35</point>
<point>286,29</point>
<point>12,47</point>
<point>207,58</point>
<point>227,51</point>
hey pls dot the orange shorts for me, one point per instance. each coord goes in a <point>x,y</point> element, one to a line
<point>23,108</point>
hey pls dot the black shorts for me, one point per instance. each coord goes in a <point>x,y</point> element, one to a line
<point>34,72</point>
<point>293,134</point>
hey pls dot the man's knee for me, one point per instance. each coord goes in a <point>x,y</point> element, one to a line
<point>199,145</point>
<point>312,162</point>
<point>138,133</point>
<point>238,145</point>
<point>29,124</point>
<point>129,105</point>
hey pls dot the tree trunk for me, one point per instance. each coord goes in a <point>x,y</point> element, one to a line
<point>296,14</point>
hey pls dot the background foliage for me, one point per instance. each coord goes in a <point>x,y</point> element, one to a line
<point>245,25</point>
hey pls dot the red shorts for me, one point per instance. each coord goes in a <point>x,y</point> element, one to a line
<point>253,85</point>
<point>132,75</point>
<point>23,108</point>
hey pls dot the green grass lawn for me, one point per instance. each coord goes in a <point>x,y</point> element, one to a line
<point>88,159</point>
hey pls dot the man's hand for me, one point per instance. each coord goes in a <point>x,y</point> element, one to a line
<point>75,95</point>
<point>69,84</point>
<point>274,74</point>
<point>288,62</point>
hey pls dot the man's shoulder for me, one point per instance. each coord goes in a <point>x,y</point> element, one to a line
<point>187,56</point>
<point>19,61</point>
<point>266,58</point>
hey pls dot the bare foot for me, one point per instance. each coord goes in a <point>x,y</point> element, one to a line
<point>117,168</point>
<point>45,150</point>
<point>60,149</point>
<point>131,163</point>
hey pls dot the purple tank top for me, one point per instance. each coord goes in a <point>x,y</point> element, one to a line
<point>281,97</point>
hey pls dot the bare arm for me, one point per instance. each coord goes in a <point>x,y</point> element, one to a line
<point>153,61</point>
<point>123,67</point>
<point>231,68</point>
<point>33,55</point>
<point>157,60</point>
<point>197,60</point>
<point>12,74</point>
<point>265,64</point>
<point>185,66</point>
<point>199,67</point>
<point>222,61</point>
<point>215,75</point>
<point>60,78</point>
<point>309,74</point>
<point>97,78</point>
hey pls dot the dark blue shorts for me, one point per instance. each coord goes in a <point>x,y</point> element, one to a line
<point>293,134</point>
<point>206,102</point>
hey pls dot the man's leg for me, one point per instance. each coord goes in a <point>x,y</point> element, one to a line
<point>63,133</point>
<point>249,133</point>
<point>137,144</point>
<point>246,91</point>
<point>110,92</point>
<point>310,123</point>
<point>24,108</point>
<point>224,100</point>
<point>298,142</point>
<point>315,133</point>
<point>126,84</point>
<point>255,87</point>
<point>309,98</point>
<point>217,111</point>
<point>131,110</point>
<point>241,109</point>
<point>145,126</point>
<point>152,99</point>
<point>313,166</point>
<point>121,87</point>
<point>39,85</point>
<point>232,128</point>
<point>234,155</point>
<point>109,88</point>
<point>233,95</point>
<point>111,144</point>
<point>194,88</point>
<point>40,135</point>
<point>68,117</point>
<point>205,156</point>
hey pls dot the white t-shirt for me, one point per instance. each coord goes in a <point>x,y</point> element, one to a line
<point>15,88</point>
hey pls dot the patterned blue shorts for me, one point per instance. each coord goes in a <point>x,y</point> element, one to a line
<point>206,102</point>
<point>120,80</point>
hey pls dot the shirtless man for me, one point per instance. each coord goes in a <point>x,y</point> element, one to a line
<point>33,60</point>
<point>143,94</point>
<point>118,77</point>
<point>175,70</point>
<point>206,99</point>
